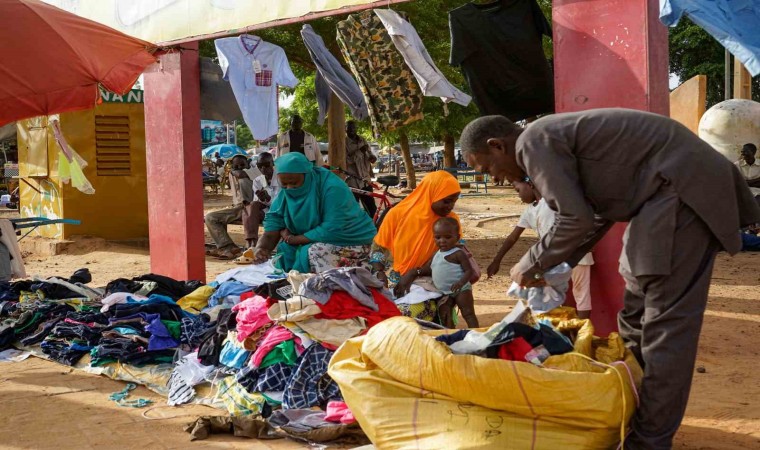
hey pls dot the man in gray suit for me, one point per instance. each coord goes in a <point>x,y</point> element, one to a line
<point>683,202</point>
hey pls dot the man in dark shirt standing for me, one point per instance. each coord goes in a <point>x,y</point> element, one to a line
<point>298,140</point>
<point>359,160</point>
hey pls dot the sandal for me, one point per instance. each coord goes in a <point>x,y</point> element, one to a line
<point>229,253</point>
<point>245,258</point>
<point>213,252</point>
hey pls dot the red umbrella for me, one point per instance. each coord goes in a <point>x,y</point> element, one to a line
<point>52,61</point>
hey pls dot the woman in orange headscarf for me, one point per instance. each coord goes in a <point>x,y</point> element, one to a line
<point>404,242</point>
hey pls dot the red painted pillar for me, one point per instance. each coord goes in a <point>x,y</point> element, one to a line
<point>609,53</point>
<point>173,142</point>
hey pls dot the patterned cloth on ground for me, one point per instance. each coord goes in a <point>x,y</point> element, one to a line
<point>310,384</point>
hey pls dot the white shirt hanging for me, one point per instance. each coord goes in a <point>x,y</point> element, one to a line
<point>432,82</point>
<point>254,68</point>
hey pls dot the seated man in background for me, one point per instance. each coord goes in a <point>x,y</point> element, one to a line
<point>241,183</point>
<point>263,194</point>
<point>750,168</point>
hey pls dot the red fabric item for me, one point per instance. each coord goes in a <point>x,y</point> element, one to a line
<point>53,60</point>
<point>246,295</point>
<point>515,350</point>
<point>342,306</point>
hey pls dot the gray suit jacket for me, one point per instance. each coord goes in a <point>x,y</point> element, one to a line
<point>602,166</point>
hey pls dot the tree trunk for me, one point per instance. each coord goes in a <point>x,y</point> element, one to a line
<point>336,133</point>
<point>411,182</point>
<point>449,158</point>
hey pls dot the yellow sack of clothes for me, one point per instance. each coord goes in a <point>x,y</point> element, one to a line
<point>408,390</point>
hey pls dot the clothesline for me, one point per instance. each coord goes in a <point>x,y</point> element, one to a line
<point>498,47</point>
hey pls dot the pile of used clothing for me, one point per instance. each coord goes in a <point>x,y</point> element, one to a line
<point>254,341</point>
<point>518,337</point>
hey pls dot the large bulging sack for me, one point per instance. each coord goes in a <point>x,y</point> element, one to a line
<point>408,390</point>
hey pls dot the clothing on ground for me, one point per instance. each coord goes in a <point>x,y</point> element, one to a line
<point>196,300</point>
<point>273,337</point>
<point>240,402</point>
<point>295,309</point>
<point>251,316</point>
<point>342,306</point>
<point>357,281</point>
<point>323,257</point>
<point>750,242</point>
<point>417,294</point>
<point>228,293</point>
<point>252,275</point>
<point>310,384</point>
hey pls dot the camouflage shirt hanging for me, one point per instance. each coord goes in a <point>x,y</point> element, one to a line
<point>393,97</point>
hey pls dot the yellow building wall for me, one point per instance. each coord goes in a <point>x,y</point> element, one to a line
<point>688,101</point>
<point>119,208</point>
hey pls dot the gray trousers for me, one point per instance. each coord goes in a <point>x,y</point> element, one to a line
<point>217,222</point>
<point>250,216</point>
<point>661,322</point>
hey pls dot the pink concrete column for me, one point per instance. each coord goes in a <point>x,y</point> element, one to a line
<point>173,142</point>
<point>609,53</point>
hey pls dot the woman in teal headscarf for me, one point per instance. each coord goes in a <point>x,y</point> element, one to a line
<point>318,219</point>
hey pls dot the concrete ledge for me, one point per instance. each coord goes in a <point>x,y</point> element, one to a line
<point>39,246</point>
<point>77,245</point>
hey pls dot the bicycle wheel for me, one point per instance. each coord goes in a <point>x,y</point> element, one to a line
<point>382,215</point>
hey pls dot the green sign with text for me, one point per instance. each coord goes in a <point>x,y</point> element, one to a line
<point>133,96</point>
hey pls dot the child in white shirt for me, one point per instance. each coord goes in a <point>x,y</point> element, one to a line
<point>538,216</point>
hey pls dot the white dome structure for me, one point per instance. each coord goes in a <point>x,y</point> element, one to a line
<point>729,125</point>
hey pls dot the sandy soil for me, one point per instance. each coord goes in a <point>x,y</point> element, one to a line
<point>47,405</point>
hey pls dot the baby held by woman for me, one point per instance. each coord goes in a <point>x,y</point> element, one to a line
<point>452,271</point>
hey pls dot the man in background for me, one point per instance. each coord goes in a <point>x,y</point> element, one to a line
<point>298,140</point>
<point>359,161</point>
<point>248,189</point>
<point>749,166</point>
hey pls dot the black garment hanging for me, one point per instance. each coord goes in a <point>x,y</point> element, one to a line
<point>498,46</point>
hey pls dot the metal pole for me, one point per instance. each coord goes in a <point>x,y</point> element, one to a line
<point>728,75</point>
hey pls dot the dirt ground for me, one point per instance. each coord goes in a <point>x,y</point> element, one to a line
<point>46,405</point>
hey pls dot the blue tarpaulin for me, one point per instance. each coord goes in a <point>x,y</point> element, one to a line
<point>734,23</point>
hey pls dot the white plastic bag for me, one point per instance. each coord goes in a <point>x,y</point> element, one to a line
<point>544,299</point>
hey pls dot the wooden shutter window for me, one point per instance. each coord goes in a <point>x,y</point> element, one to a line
<point>112,149</point>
